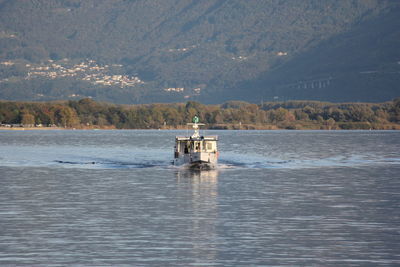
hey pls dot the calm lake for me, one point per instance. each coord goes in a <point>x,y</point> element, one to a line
<point>278,198</point>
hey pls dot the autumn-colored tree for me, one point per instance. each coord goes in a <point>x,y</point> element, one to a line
<point>66,116</point>
<point>28,119</point>
<point>395,110</point>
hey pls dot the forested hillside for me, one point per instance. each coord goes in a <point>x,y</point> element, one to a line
<point>134,51</point>
<point>361,64</point>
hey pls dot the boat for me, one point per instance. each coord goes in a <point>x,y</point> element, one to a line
<point>196,151</point>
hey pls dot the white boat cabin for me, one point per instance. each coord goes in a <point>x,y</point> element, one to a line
<point>198,151</point>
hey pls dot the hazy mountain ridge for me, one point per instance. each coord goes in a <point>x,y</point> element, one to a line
<point>208,48</point>
<point>361,64</point>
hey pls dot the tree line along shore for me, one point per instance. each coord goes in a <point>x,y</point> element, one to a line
<point>89,114</point>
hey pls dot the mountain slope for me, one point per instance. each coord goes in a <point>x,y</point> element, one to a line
<point>208,50</point>
<point>362,64</point>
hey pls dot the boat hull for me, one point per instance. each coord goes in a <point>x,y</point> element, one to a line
<point>199,160</point>
<point>201,165</point>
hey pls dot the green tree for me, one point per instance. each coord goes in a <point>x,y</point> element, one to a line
<point>338,115</point>
<point>301,115</point>
<point>361,113</point>
<point>172,116</point>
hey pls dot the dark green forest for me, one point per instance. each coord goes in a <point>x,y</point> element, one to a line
<point>88,114</point>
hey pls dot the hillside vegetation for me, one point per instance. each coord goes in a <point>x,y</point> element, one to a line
<point>209,51</point>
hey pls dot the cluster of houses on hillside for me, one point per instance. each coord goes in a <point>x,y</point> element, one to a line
<point>183,49</point>
<point>185,92</point>
<point>87,71</point>
<point>119,80</point>
<point>174,89</point>
<point>7,63</point>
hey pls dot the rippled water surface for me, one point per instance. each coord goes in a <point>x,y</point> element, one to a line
<point>278,198</point>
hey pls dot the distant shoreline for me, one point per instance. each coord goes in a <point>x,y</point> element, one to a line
<point>31,128</point>
<point>184,128</point>
<point>234,115</point>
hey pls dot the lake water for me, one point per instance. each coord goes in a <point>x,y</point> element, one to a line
<point>278,198</point>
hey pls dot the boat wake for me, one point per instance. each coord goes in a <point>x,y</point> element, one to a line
<point>109,164</point>
<point>263,163</point>
<point>227,161</point>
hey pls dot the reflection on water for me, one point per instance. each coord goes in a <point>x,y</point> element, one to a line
<point>203,186</point>
<point>197,176</point>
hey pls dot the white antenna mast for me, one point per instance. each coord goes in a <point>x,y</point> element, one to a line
<point>195,126</point>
